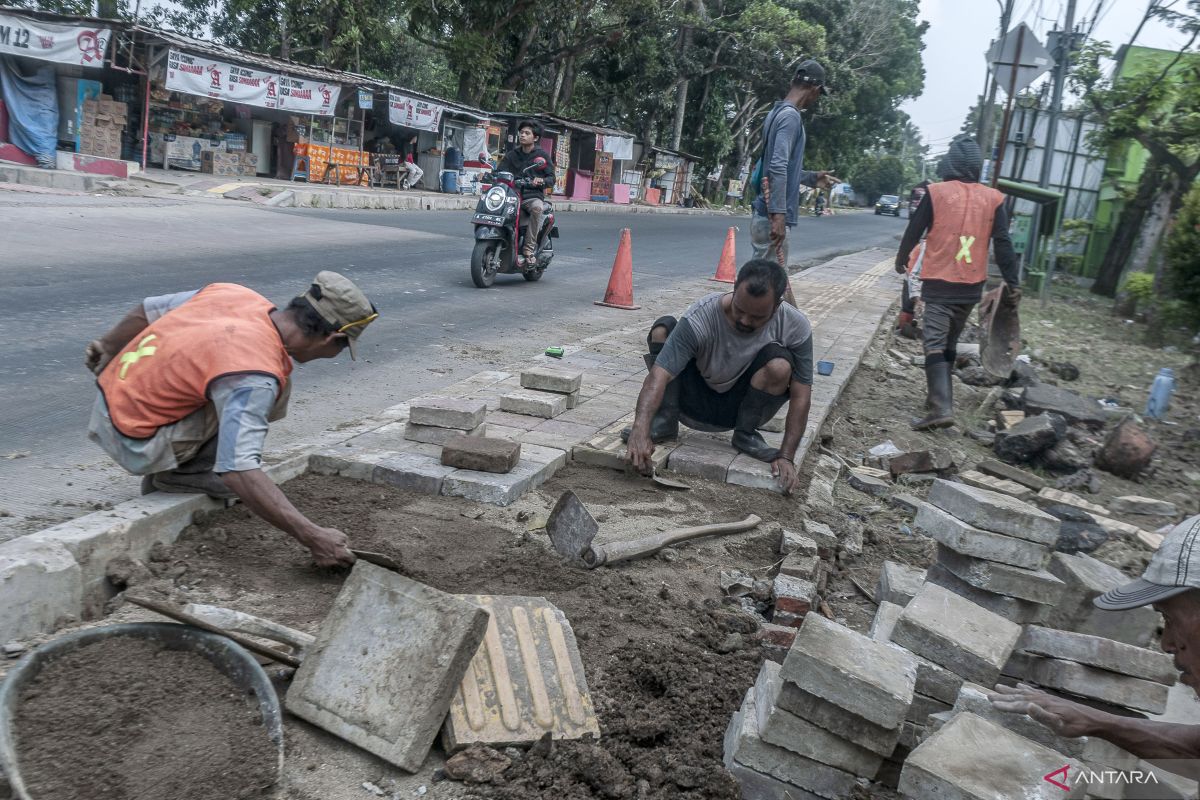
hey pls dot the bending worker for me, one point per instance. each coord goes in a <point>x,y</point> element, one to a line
<point>731,362</point>
<point>189,382</point>
<point>961,217</point>
<point>1171,583</point>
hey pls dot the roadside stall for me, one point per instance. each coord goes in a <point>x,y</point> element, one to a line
<point>593,162</point>
<point>667,176</point>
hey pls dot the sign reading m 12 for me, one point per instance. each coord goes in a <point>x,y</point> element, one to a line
<point>80,45</point>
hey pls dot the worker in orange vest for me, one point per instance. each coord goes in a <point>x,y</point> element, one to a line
<point>189,383</point>
<point>957,217</point>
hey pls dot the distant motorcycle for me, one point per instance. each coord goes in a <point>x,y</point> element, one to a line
<point>500,232</point>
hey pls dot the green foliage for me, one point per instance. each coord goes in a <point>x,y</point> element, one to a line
<point>878,175</point>
<point>1183,258</point>
<point>1140,286</point>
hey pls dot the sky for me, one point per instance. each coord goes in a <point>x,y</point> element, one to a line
<point>960,32</point>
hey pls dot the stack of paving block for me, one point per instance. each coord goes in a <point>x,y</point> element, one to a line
<point>829,716</point>
<point>437,420</point>
<point>797,587</point>
<point>544,393</point>
<point>992,550</point>
<point>1087,578</point>
<point>102,125</point>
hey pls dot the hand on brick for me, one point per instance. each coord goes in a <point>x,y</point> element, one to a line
<point>1061,716</point>
<point>785,474</point>
<point>639,450</point>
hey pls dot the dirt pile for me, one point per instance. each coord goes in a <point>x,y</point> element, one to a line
<point>126,719</point>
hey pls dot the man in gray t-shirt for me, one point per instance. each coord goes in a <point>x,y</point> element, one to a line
<point>730,363</point>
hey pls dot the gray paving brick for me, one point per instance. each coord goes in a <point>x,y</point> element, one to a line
<point>482,454</point>
<point>1021,612</point>
<point>933,680</point>
<point>898,583</point>
<point>502,490</point>
<point>418,473</point>
<point>970,541</point>
<point>838,720</point>
<point>448,412</point>
<point>798,543</point>
<point>844,667</point>
<point>1097,651</point>
<point>951,631</point>
<point>992,511</point>
<point>529,402</point>
<point>702,462</point>
<point>747,471</point>
<point>432,434</point>
<point>1099,684</point>
<point>1035,586</point>
<point>552,380</point>
<point>1086,578</point>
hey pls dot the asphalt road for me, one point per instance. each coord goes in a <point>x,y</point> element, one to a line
<point>71,266</point>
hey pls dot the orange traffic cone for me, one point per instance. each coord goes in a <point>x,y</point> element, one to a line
<point>620,284</point>
<point>726,271</point>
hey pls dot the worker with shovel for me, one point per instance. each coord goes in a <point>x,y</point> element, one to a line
<point>731,362</point>
<point>189,383</point>
<point>958,217</point>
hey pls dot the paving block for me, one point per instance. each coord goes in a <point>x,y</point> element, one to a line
<point>793,599</point>
<point>448,412</point>
<point>805,568</point>
<point>970,758</point>
<point>838,720</point>
<point>995,512</point>
<point>552,380</point>
<point>756,785</point>
<point>482,454</point>
<point>860,479</point>
<point>843,667</point>
<point>822,534</point>
<point>432,434</point>
<point>884,621</point>
<point>898,583</point>
<point>1032,585</point>
<point>981,481</point>
<point>744,745</point>
<point>747,471</point>
<point>970,541</point>
<point>1007,472</point>
<point>703,462</point>
<point>1097,651</point>
<point>920,461</point>
<point>42,585</point>
<point>1021,612</point>
<point>922,706</point>
<point>1073,500</point>
<point>412,471</point>
<point>952,631</point>
<point>782,728</point>
<point>1087,578</point>
<point>905,502</point>
<point>485,487</point>
<point>529,402</point>
<point>793,542</point>
<point>526,680</point>
<point>607,450</point>
<point>933,680</point>
<point>776,640</point>
<point>1147,506</point>
<point>1099,684</point>
<point>386,663</point>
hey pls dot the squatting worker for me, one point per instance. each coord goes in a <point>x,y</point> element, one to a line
<point>189,383</point>
<point>1171,583</point>
<point>777,204</point>
<point>731,362</point>
<point>533,198</point>
<point>958,217</point>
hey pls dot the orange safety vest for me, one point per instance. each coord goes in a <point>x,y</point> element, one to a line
<point>164,373</point>
<point>956,246</point>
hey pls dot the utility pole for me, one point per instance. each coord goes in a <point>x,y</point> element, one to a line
<point>1062,57</point>
<point>984,131</point>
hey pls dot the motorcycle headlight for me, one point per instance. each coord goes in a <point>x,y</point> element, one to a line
<point>494,199</point>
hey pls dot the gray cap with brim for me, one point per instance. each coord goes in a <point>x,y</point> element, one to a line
<point>1173,570</point>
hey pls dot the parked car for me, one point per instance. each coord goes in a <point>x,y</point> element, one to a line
<point>888,204</point>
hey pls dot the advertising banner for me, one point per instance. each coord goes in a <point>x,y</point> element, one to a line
<point>410,112</point>
<point>81,45</point>
<point>308,97</point>
<point>207,77</point>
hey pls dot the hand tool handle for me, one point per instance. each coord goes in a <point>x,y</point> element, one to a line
<point>180,616</point>
<point>625,551</point>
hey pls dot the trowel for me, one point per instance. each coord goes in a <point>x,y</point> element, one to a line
<point>659,480</point>
<point>573,530</point>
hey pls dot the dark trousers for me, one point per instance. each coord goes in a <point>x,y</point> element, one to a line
<point>944,323</point>
<point>719,410</point>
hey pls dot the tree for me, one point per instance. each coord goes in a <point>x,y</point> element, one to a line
<point>878,175</point>
<point>1183,257</point>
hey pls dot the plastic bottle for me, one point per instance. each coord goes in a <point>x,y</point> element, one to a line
<point>1160,393</point>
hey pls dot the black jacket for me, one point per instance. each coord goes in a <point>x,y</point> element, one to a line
<point>516,160</point>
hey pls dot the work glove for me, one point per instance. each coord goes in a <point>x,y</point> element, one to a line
<point>95,358</point>
<point>1012,297</point>
<point>900,269</point>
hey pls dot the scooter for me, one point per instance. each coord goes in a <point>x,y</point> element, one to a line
<point>500,231</point>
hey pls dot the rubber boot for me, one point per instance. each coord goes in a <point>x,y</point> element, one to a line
<point>940,399</point>
<point>757,407</point>
<point>665,425</point>
<point>191,483</point>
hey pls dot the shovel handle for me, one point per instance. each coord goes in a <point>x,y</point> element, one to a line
<point>626,551</point>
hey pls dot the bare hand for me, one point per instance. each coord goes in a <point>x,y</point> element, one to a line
<point>778,228</point>
<point>1011,297</point>
<point>1061,716</point>
<point>539,182</point>
<point>329,547</point>
<point>785,474</point>
<point>901,269</point>
<point>826,179</point>
<point>639,450</point>
<point>95,358</point>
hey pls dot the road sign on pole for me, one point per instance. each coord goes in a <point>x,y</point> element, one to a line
<point>1018,59</point>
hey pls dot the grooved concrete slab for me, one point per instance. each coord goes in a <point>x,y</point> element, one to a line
<point>865,677</point>
<point>951,631</point>
<point>970,758</point>
<point>526,680</point>
<point>992,511</point>
<point>386,663</point>
<point>963,538</point>
<point>784,729</point>
<point>1096,651</point>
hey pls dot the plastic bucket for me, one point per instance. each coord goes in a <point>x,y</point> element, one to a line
<point>450,181</point>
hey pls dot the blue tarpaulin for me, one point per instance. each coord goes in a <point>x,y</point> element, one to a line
<point>32,104</point>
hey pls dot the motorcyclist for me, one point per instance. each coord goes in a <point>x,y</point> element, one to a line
<point>516,161</point>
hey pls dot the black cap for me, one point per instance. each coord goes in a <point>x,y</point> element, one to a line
<point>812,73</point>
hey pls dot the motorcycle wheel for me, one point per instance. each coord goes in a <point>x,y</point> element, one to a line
<point>534,274</point>
<point>485,260</point>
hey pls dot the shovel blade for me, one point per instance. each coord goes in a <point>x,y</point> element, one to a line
<point>571,527</point>
<point>1001,341</point>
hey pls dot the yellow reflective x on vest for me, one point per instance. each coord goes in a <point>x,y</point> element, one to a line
<point>143,350</point>
<point>964,248</point>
